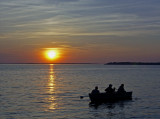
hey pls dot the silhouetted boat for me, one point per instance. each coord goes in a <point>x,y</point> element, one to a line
<point>104,97</point>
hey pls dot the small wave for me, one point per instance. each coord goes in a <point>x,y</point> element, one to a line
<point>40,102</point>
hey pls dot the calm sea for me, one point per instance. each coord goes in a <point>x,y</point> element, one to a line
<point>53,91</point>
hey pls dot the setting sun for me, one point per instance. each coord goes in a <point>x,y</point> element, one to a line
<point>51,54</point>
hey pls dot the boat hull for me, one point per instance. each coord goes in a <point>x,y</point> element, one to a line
<point>104,97</point>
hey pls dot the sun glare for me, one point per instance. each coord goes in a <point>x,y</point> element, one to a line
<point>51,54</point>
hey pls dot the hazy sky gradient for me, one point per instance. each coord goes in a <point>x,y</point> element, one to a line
<point>83,30</point>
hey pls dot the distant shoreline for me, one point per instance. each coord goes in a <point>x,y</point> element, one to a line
<point>133,63</point>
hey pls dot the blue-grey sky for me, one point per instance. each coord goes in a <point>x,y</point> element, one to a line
<point>82,30</point>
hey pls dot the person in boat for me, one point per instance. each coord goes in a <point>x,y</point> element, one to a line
<point>121,89</point>
<point>95,91</point>
<point>109,89</point>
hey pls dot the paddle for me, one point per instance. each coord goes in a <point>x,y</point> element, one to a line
<point>81,97</point>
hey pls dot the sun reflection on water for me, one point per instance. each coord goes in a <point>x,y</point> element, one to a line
<point>51,89</point>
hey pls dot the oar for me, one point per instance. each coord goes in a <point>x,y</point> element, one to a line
<point>81,97</point>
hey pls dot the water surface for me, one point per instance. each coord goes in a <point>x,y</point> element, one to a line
<point>53,91</point>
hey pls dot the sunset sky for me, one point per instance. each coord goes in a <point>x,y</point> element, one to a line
<point>95,31</point>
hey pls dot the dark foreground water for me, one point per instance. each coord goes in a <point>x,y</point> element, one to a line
<point>53,91</point>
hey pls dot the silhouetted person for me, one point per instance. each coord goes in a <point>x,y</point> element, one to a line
<point>95,91</point>
<point>121,89</point>
<point>109,89</point>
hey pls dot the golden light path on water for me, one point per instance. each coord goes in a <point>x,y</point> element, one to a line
<point>51,88</point>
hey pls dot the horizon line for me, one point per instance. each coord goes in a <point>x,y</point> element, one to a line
<point>108,63</point>
<point>52,63</point>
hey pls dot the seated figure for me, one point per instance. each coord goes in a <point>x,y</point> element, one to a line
<point>95,91</point>
<point>121,89</point>
<point>109,89</point>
